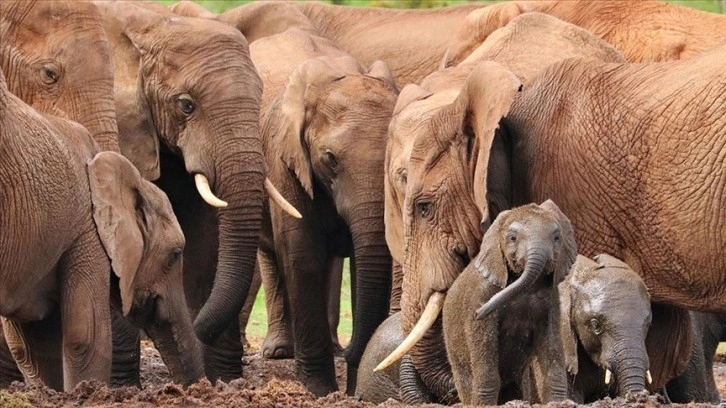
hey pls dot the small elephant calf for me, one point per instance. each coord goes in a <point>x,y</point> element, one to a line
<point>490,351</point>
<point>608,309</point>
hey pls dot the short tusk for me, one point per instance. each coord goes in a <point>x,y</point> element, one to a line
<point>427,319</point>
<point>206,192</point>
<point>280,200</point>
<point>607,376</point>
<point>648,377</point>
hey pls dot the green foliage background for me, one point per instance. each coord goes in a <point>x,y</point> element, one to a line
<point>257,327</point>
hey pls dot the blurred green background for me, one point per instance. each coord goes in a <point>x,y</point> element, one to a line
<point>257,327</point>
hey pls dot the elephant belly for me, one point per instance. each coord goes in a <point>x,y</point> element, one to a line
<point>24,299</point>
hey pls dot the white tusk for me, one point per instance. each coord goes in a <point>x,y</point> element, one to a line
<point>427,319</point>
<point>206,192</point>
<point>648,377</point>
<point>280,200</point>
<point>607,376</point>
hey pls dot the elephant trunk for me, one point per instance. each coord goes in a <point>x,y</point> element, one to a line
<point>239,183</point>
<point>537,258</point>
<point>174,338</point>
<point>430,359</point>
<point>631,369</point>
<point>372,281</point>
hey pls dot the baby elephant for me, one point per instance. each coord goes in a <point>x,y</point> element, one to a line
<point>490,351</point>
<point>608,309</point>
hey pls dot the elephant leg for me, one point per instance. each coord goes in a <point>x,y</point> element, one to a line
<point>484,363</point>
<point>9,370</point>
<point>84,308</point>
<point>305,275</point>
<point>335,282</point>
<point>246,313</point>
<point>278,343</point>
<point>36,348</point>
<point>396,288</point>
<point>126,363</point>
<point>225,349</point>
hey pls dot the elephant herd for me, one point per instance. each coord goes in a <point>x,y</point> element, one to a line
<point>530,193</point>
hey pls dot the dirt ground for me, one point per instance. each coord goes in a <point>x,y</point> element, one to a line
<point>266,383</point>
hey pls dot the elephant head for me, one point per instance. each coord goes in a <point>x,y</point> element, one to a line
<point>203,96</point>
<point>605,309</point>
<point>56,58</point>
<point>328,125</point>
<point>145,243</point>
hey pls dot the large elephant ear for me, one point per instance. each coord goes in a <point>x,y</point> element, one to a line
<point>568,334</point>
<point>266,18</point>
<point>380,70</point>
<point>119,216</point>
<point>569,245</point>
<point>139,23</point>
<point>409,94</point>
<point>304,83</point>
<point>490,262</point>
<point>668,342</point>
<point>488,94</point>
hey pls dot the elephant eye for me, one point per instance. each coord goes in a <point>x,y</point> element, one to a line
<point>49,75</point>
<point>329,159</point>
<point>512,237</point>
<point>595,326</point>
<point>174,257</point>
<point>423,208</point>
<point>557,238</point>
<point>404,176</point>
<point>186,104</point>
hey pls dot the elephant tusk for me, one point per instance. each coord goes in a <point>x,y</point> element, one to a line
<point>206,192</point>
<point>280,200</point>
<point>607,376</point>
<point>427,319</point>
<point>648,377</point>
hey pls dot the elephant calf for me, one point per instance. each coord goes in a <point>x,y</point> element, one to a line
<point>608,309</point>
<point>490,351</point>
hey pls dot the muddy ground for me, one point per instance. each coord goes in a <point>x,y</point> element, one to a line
<point>266,383</point>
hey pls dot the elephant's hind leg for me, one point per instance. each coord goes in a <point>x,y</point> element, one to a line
<point>85,275</point>
<point>9,370</point>
<point>279,341</point>
<point>35,347</point>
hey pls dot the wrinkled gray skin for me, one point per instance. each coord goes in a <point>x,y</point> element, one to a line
<point>605,319</point>
<point>696,384</point>
<point>528,250</point>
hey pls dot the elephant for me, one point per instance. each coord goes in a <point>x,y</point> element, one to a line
<point>411,42</point>
<point>194,86</point>
<point>52,262</point>
<point>696,383</point>
<point>525,254</point>
<point>324,119</point>
<point>561,141</point>
<point>434,249</point>
<point>605,318</point>
<point>644,31</point>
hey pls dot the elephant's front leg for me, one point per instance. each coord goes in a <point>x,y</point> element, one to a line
<point>305,273</point>
<point>85,275</point>
<point>484,357</point>
<point>35,347</point>
<point>9,370</point>
<point>279,341</point>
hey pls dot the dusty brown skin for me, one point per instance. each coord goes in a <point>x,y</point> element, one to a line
<point>52,263</point>
<point>411,42</point>
<point>203,97</point>
<point>605,318</point>
<point>644,31</point>
<point>533,246</point>
<point>434,165</point>
<point>324,121</point>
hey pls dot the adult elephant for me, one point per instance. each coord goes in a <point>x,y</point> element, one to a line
<point>437,231</point>
<point>324,121</point>
<point>197,90</point>
<point>644,31</point>
<point>561,141</point>
<point>412,42</point>
<point>42,45</point>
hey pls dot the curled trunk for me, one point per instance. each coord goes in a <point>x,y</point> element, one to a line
<point>534,267</point>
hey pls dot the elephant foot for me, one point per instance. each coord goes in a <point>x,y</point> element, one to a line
<point>277,347</point>
<point>318,377</point>
<point>337,348</point>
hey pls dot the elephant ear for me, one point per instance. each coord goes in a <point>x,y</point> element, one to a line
<point>119,214</point>
<point>186,8</point>
<point>668,342</point>
<point>569,245</point>
<point>138,22</point>
<point>380,70</point>
<point>490,261</point>
<point>409,94</point>
<point>609,261</point>
<point>299,92</point>
<point>486,98</point>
